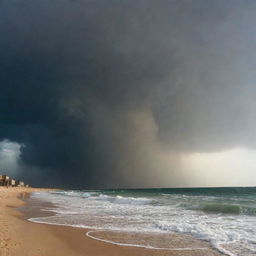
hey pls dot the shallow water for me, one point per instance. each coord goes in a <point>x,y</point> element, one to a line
<point>226,217</point>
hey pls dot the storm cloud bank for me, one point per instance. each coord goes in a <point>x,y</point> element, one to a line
<point>112,93</point>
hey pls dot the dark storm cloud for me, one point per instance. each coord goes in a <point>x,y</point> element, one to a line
<point>93,90</point>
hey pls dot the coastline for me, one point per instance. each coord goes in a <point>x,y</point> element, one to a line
<point>21,237</point>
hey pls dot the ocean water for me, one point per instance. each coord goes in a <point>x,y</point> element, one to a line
<point>226,217</point>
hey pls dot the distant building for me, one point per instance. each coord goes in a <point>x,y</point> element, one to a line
<point>19,183</point>
<point>1,180</point>
<point>12,182</point>
<point>4,180</point>
<point>7,181</point>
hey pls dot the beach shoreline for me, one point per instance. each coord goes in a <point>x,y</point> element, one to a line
<point>21,237</point>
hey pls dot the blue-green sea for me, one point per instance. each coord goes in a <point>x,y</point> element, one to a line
<point>226,217</point>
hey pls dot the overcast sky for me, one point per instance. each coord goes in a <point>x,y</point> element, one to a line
<point>111,93</point>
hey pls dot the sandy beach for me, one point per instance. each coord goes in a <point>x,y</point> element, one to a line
<point>20,237</point>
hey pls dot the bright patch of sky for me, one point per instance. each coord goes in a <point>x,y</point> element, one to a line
<point>9,157</point>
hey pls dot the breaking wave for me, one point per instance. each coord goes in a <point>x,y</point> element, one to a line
<point>228,209</point>
<point>125,200</point>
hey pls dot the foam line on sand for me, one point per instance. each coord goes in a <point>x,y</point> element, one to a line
<point>88,234</point>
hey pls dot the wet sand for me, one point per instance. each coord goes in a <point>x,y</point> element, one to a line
<point>19,237</point>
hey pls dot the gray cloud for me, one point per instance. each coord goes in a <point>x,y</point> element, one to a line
<point>99,91</point>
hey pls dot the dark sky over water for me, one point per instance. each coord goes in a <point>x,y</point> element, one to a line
<point>115,93</point>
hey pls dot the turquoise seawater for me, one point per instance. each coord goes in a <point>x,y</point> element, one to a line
<point>226,217</point>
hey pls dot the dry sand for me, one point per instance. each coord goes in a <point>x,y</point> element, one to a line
<point>19,237</point>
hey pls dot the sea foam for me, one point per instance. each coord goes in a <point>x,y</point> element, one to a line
<point>227,222</point>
